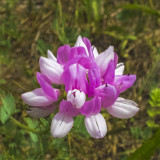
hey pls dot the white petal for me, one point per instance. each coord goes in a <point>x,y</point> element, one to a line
<point>76,97</point>
<point>123,108</point>
<point>119,69</point>
<point>69,95</point>
<point>51,56</point>
<point>36,98</point>
<point>51,69</point>
<point>95,52</point>
<point>80,99</point>
<point>61,125</point>
<point>96,125</point>
<point>39,113</point>
<point>104,58</point>
<point>80,43</point>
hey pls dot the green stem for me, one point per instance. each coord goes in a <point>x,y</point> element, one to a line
<point>151,4</point>
<point>22,125</point>
<point>41,145</point>
<point>19,85</point>
<point>69,143</point>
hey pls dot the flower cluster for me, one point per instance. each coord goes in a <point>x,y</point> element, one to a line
<point>91,81</point>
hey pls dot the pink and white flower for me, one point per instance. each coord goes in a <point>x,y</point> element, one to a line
<point>91,81</point>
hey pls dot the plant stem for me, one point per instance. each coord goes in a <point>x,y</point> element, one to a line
<point>69,143</point>
<point>41,145</point>
<point>22,125</point>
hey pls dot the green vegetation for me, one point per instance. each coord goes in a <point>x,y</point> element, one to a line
<point>28,28</point>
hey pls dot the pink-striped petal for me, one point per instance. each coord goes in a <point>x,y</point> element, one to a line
<point>80,43</point>
<point>74,77</point>
<point>95,79</point>
<point>123,82</point>
<point>89,47</point>
<point>84,61</point>
<point>67,108</point>
<point>107,93</point>
<point>47,88</point>
<point>115,60</point>
<point>110,73</point>
<point>91,107</point>
<point>104,58</point>
<point>37,98</point>
<point>63,54</point>
<point>51,69</point>
<point>77,51</point>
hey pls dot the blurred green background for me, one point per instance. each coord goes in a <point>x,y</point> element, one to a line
<point>29,27</point>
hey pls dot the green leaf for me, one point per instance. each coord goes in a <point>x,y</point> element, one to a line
<point>79,126</point>
<point>7,108</point>
<point>8,104</point>
<point>155,98</point>
<point>60,144</point>
<point>32,124</point>
<point>153,112</point>
<point>147,132</point>
<point>136,132</point>
<point>126,15</point>
<point>120,36</point>
<point>12,148</point>
<point>96,5</point>
<point>124,44</point>
<point>3,115</point>
<point>143,8</point>
<point>3,81</point>
<point>33,136</point>
<point>151,123</point>
<point>2,157</point>
<point>45,123</point>
<point>148,148</point>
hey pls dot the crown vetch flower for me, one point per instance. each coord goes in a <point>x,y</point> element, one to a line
<point>91,81</point>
